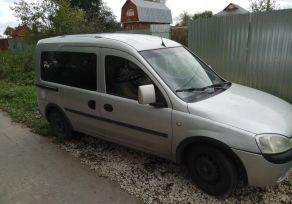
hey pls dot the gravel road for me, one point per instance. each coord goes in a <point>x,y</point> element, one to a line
<point>156,180</point>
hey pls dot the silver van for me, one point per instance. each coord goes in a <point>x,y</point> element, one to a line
<point>156,96</point>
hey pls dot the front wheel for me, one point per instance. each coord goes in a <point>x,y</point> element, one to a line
<point>212,170</point>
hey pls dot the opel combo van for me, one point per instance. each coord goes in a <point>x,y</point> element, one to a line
<point>156,96</point>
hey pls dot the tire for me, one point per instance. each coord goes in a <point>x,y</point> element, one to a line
<point>212,171</point>
<point>60,126</point>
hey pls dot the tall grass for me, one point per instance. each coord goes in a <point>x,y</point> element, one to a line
<point>18,66</point>
<point>21,104</point>
<point>17,90</point>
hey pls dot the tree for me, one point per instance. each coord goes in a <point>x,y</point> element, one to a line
<point>8,31</point>
<point>205,14</point>
<point>67,20</point>
<point>184,19</point>
<point>99,17</point>
<point>262,5</point>
<point>57,17</point>
<point>36,16</point>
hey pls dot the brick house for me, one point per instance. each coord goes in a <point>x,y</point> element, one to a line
<point>141,14</point>
<point>15,40</point>
<point>20,32</point>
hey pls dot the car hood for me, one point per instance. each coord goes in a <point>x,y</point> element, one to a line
<point>248,109</point>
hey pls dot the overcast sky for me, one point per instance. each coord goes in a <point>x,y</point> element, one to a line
<point>177,7</point>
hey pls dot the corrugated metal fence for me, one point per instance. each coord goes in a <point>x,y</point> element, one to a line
<point>252,49</point>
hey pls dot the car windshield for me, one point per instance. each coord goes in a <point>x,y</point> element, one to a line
<point>185,74</point>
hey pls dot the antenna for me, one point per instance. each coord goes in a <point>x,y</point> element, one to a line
<point>163,44</point>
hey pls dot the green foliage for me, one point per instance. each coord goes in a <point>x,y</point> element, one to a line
<point>184,19</point>
<point>180,32</point>
<point>49,16</point>
<point>36,15</point>
<point>67,20</point>
<point>205,14</point>
<point>93,8</point>
<point>17,66</point>
<point>20,102</point>
<point>99,17</point>
<point>180,35</point>
<point>58,17</point>
<point>262,5</point>
<point>8,31</point>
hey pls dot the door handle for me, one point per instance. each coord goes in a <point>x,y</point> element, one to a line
<point>108,108</point>
<point>91,104</point>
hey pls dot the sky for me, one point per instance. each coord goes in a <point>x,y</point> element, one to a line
<point>176,6</point>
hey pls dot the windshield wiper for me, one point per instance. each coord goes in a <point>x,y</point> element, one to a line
<point>221,86</point>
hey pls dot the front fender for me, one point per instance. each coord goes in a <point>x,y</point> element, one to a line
<point>191,126</point>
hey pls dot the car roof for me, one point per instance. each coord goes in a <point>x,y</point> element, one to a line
<point>137,41</point>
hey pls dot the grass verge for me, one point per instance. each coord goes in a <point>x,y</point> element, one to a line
<point>21,104</point>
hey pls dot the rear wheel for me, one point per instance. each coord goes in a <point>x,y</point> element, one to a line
<point>212,170</point>
<point>59,125</point>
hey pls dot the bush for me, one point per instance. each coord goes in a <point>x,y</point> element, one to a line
<point>180,35</point>
<point>17,66</point>
<point>17,92</point>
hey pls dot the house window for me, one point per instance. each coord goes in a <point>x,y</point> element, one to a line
<point>130,12</point>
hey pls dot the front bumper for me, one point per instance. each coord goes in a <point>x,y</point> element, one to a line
<point>260,172</point>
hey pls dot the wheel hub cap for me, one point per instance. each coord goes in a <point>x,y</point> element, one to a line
<point>207,169</point>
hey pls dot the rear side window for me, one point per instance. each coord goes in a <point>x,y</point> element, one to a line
<point>70,68</point>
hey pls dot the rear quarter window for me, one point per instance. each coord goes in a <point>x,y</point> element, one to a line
<point>70,68</point>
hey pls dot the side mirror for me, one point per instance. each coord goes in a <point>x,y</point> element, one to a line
<point>146,94</point>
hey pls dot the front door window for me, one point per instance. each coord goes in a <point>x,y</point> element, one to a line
<point>124,77</point>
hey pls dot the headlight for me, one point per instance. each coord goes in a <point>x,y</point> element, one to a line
<point>273,144</point>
